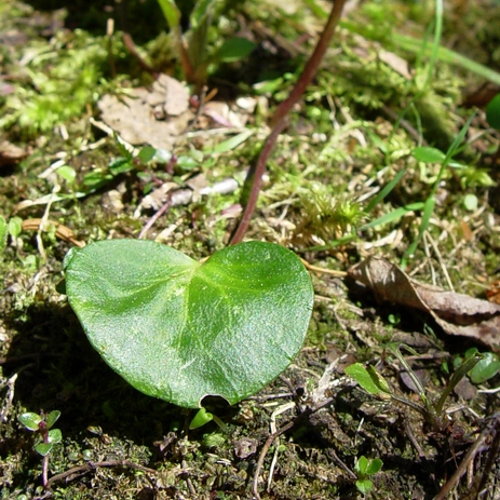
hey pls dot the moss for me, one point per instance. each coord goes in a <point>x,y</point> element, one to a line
<point>341,139</point>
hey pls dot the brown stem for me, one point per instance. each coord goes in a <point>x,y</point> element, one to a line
<point>186,64</point>
<point>45,471</point>
<point>129,44</point>
<point>278,121</point>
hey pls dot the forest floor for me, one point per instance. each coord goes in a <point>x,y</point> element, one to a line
<point>345,183</point>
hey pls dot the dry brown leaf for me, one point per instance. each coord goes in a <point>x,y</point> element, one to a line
<point>396,62</point>
<point>493,292</point>
<point>168,97</point>
<point>155,116</point>
<point>63,232</point>
<point>10,154</point>
<point>457,314</point>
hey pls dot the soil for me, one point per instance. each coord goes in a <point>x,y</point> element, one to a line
<point>67,177</point>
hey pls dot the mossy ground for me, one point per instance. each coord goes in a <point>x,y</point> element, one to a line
<point>353,133</point>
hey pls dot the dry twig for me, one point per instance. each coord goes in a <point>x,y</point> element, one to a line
<point>79,470</point>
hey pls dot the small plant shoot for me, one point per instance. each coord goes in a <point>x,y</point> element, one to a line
<point>42,425</point>
<point>180,330</point>
<point>364,468</point>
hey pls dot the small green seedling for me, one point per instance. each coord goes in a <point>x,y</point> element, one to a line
<point>42,425</point>
<point>12,227</point>
<point>426,155</point>
<point>47,436</point>
<point>193,47</point>
<point>364,468</point>
<point>374,383</point>
<point>181,330</point>
<point>369,379</point>
<point>203,417</point>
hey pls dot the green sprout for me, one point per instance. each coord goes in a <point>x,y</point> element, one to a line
<point>364,468</point>
<point>47,436</point>
<point>193,46</point>
<point>480,366</point>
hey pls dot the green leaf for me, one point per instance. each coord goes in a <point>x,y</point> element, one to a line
<point>374,465</point>
<point>187,162</point>
<point>96,179</point>
<point>493,112</point>
<point>180,330</point>
<point>3,233</point>
<point>52,418</point>
<point>396,214</point>
<point>487,367</point>
<point>30,420</point>
<point>471,202</point>
<point>378,380</point>
<point>44,448</point>
<point>55,436</point>
<point>235,49</point>
<point>201,10</point>
<point>67,173</point>
<point>367,466</point>
<point>369,379</point>
<point>171,12</point>
<point>231,143</point>
<point>15,226</point>
<point>428,155</point>
<point>364,486</point>
<point>361,465</point>
<point>120,165</point>
<point>147,153</point>
<point>201,418</point>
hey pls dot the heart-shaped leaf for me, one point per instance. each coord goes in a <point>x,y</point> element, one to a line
<point>180,330</point>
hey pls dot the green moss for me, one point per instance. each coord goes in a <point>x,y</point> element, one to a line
<point>61,81</point>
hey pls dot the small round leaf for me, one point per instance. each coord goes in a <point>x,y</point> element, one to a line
<point>364,486</point>
<point>235,49</point>
<point>487,367</point>
<point>52,418</point>
<point>30,420</point>
<point>181,330</point>
<point>55,436</point>
<point>44,449</point>
<point>493,112</point>
<point>428,155</point>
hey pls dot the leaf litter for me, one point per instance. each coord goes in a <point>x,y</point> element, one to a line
<point>456,314</point>
<point>314,459</point>
<point>156,116</point>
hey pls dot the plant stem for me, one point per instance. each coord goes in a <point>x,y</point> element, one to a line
<point>278,121</point>
<point>45,471</point>
<point>461,371</point>
<point>45,460</point>
<point>438,30</point>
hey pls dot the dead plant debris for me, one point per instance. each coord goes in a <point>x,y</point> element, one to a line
<point>456,314</point>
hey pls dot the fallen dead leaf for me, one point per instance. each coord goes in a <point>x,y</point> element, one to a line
<point>493,292</point>
<point>227,115</point>
<point>10,154</point>
<point>63,232</point>
<point>457,314</point>
<point>396,62</point>
<point>168,97</point>
<point>156,116</point>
